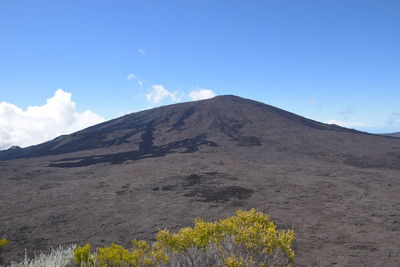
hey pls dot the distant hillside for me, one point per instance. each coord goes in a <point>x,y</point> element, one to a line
<point>393,134</point>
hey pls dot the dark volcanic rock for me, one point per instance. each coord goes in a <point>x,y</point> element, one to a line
<point>178,126</point>
<point>161,168</point>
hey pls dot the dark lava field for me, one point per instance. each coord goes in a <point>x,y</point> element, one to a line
<point>338,188</point>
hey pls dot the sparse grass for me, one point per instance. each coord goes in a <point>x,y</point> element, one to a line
<point>60,257</point>
<point>247,239</point>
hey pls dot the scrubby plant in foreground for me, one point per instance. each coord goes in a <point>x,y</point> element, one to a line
<point>84,257</point>
<point>249,238</point>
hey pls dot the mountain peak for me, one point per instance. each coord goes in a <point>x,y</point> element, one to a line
<point>187,127</point>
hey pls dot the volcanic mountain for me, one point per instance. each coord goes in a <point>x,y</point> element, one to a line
<point>160,168</point>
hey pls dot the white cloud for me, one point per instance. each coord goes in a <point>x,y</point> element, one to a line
<point>159,93</point>
<point>131,76</point>
<point>134,77</point>
<point>201,94</point>
<point>346,124</point>
<point>38,124</point>
<point>141,51</point>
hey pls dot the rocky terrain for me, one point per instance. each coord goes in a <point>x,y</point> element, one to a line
<point>161,168</point>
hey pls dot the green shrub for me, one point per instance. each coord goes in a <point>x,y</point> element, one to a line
<point>249,238</point>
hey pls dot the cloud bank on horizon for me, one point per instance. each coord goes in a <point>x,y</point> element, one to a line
<point>159,93</point>
<point>347,124</point>
<point>201,94</point>
<point>37,124</point>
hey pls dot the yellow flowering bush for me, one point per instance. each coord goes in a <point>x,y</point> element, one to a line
<point>235,262</point>
<point>83,256</point>
<point>249,238</point>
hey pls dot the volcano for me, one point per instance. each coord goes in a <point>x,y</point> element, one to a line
<point>161,168</point>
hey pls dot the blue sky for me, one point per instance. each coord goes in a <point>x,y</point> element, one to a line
<point>332,61</point>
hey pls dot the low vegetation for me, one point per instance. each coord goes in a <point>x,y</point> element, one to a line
<point>60,257</point>
<point>249,238</point>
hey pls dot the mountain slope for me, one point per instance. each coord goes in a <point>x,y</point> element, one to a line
<point>226,114</point>
<point>187,127</point>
